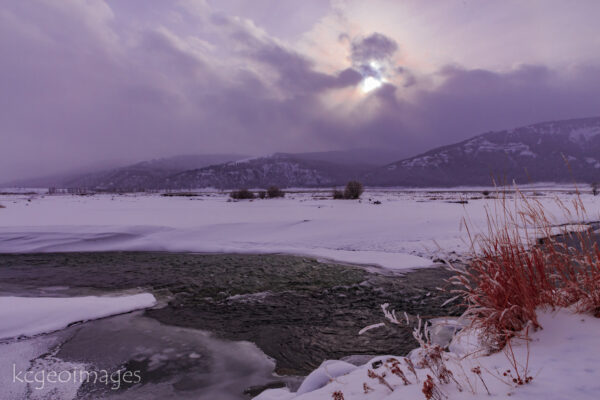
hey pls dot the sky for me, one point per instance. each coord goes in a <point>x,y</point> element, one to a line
<point>85,83</point>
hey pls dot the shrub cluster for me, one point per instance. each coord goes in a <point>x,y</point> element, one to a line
<point>274,192</point>
<point>353,191</point>
<point>338,194</point>
<point>242,194</point>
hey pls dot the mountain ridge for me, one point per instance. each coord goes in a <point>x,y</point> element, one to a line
<point>551,151</point>
<point>557,151</point>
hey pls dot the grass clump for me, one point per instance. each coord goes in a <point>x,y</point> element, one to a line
<point>514,272</point>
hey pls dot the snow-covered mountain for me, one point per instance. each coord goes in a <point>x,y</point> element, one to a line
<point>149,174</point>
<point>560,151</point>
<point>281,169</point>
<point>326,168</point>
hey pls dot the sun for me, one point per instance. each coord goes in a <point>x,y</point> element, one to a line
<point>369,84</point>
<point>373,77</point>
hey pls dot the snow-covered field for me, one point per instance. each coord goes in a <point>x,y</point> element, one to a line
<point>408,229</point>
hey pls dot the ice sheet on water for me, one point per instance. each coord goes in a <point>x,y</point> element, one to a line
<point>28,316</point>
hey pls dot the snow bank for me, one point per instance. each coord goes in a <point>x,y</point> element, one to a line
<point>563,361</point>
<point>28,316</point>
<point>275,394</point>
<point>388,260</point>
<point>327,371</point>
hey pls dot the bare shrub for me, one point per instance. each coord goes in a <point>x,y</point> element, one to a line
<point>354,190</point>
<point>338,194</point>
<point>274,192</point>
<point>242,194</point>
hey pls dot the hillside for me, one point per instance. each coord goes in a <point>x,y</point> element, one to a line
<point>281,169</point>
<point>149,174</point>
<point>560,151</point>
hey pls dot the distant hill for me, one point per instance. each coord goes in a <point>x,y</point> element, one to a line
<point>281,169</point>
<point>143,175</point>
<point>227,171</point>
<point>559,151</point>
<point>373,157</point>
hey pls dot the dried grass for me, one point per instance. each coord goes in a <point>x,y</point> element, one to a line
<point>513,272</point>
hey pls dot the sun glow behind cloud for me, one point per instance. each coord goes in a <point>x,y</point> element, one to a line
<point>373,77</point>
<point>369,84</point>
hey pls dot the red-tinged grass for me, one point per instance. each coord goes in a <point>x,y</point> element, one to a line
<point>338,395</point>
<point>513,272</point>
<point>431,390</point>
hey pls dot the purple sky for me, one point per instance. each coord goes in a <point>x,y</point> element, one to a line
<point>83,82</point>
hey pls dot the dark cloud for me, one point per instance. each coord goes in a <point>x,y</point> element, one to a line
<point>373,56</point>
<point>296,73</point>
<point>373,47</point>
<point>469,102</point>
<point>293,72</point>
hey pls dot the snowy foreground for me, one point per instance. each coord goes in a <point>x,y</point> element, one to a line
<point>563,362</point>
<point>27,345</point>
<point>407,230</point>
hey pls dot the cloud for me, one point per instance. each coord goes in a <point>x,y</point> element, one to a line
<point>374,56</point>
<point>472,101</point>
<point>86,82</point>
<point>296,74</point>
<point>375,47</point>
